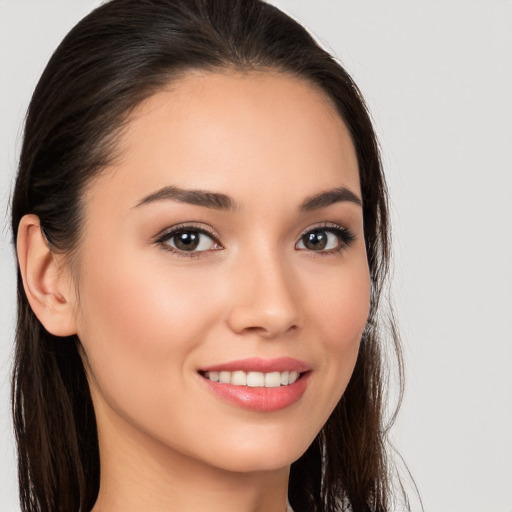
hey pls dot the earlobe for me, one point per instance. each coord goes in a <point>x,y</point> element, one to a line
<point>47,287</point>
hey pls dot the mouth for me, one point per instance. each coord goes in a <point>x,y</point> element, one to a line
<point>257,384</point>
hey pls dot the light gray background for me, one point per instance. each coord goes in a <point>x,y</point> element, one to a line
<point>437,76</point>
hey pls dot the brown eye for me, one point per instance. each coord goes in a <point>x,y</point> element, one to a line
<point>189,240</point>
<point>325,239</point>
<point>315,240</point>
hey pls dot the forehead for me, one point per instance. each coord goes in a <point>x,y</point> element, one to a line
<point>236,133</point>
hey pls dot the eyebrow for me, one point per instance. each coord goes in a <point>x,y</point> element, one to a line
<point>220,201</point>
<point>197,197</point>
<point>329,197</point>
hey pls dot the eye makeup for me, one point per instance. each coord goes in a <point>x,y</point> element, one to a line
<point>192,240</point>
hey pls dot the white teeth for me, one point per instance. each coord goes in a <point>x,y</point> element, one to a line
<point>214,376</point>
<point>254,379</point>
<point>272,380</point>
<point>239,378</point>
<point>225,377</point>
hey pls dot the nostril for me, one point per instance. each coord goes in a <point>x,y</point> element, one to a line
<point>270,331</point>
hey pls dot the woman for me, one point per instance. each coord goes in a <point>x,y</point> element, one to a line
<point>201,225</point>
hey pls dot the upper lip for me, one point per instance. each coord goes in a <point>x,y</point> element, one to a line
<point>257,364</point>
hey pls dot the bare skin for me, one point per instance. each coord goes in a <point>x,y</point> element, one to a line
<point>151,315</point>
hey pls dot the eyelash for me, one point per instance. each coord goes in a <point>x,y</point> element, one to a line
<point>345,236</point>
<point>186,228</point>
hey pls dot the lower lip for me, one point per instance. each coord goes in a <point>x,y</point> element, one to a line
<point>260,399</point>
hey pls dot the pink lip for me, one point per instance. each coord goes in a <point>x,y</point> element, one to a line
<point>256,364</point>
<point>261,399</point>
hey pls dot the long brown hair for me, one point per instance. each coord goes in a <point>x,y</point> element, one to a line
<point>117,56</point>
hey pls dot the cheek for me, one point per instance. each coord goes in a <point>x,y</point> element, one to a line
<point>138,324</point>
<point>138,309</point>
<point>340,303</point>
<point>345,310</point>
<point>341,313</point>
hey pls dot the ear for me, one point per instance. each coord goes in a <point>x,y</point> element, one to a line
<point>48,287</point>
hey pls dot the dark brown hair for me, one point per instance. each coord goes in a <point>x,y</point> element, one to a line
<point>116,57</point>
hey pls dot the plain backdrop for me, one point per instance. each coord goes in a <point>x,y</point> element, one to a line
<point>437,76</point>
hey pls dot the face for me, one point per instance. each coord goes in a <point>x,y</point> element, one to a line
<point>222,272</point>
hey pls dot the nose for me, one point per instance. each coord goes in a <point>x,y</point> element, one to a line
<point>265,299</point>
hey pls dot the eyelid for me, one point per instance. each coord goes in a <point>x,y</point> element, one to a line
<point>183,226</point>
<point>327,225</point>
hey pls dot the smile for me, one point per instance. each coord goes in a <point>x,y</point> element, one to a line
<point>261,385</point>
<point>254,379</point>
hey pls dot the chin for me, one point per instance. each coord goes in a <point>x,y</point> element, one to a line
<point>261,454</point>
<point>253,463</point>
